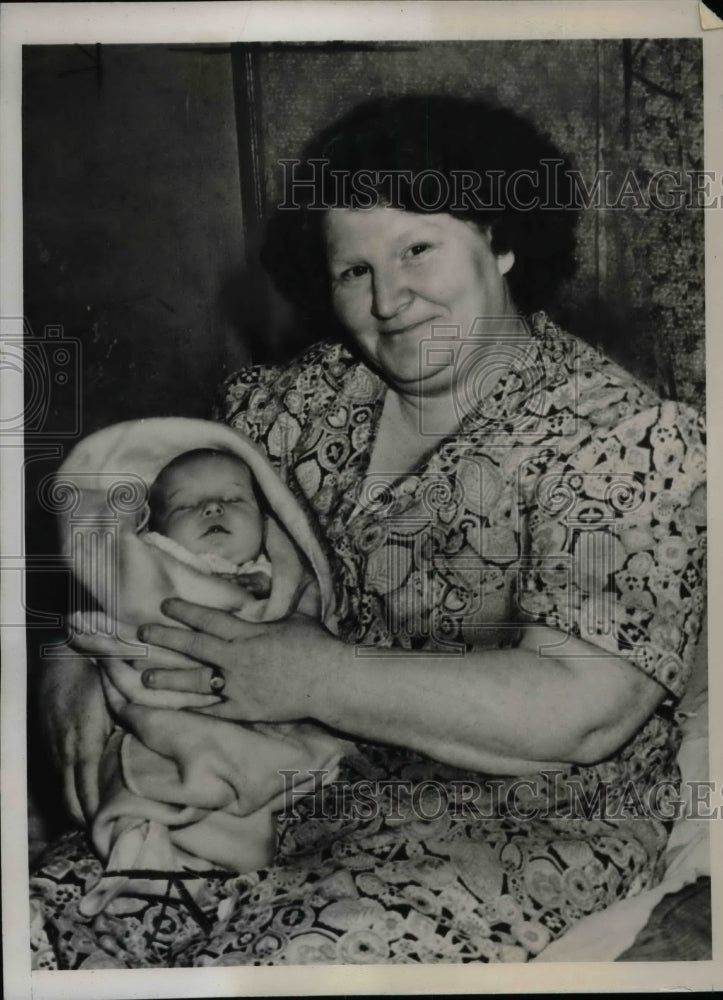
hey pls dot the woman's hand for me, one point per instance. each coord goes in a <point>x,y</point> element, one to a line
<point>75,724</point>
<point>102,637</point>
<point>116,649</point>
<point>271,672</point>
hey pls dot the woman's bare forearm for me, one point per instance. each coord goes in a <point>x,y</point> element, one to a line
<point>501,711</point>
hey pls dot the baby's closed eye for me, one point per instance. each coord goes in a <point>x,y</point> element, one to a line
<point>181,508</point>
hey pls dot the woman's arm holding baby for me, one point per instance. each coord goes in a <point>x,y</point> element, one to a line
<point>502,711</point>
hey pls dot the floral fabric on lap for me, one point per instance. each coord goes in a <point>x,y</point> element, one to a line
<point>572,497</point>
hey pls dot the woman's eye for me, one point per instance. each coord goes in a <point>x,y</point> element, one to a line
<point>416,249</point>
<point>357,271</point>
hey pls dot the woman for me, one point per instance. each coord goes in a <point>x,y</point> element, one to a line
<point>516,528</point>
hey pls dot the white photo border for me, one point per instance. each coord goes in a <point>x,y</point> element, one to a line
<point>120,23</point>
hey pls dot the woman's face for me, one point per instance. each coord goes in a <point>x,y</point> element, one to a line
<point>396,274</point>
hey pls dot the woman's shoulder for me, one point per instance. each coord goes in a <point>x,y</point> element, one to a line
<point>604,399</point>
<point>288,386</point>
<point>583,376</point>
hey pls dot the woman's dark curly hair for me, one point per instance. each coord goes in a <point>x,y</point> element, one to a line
<point>413,136</point>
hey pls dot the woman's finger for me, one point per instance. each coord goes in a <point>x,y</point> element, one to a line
<point>222,624</point>
<point>70,794</point>
<point>105,647</point>
<point>86,786</point>
<point>196,680</point>
<point>197,645</point>
<point>102,637</point>
<point>106,644</point>
<point>162,658</point>
<point>97,622</point>
<point>123,683</point>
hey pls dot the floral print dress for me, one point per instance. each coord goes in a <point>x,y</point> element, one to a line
<point>573,498</point>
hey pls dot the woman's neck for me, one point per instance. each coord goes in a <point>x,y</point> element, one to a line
<point>410,428</point>
<point>413,422</point>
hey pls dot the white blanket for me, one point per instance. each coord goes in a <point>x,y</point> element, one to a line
<point>182,790</point>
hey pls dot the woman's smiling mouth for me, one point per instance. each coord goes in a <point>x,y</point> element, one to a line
<point>396,331</point>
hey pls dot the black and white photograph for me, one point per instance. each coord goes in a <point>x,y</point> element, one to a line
<point>355,551</point>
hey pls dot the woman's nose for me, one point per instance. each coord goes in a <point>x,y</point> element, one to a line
<point>390,295</point>
<point>212,508</point>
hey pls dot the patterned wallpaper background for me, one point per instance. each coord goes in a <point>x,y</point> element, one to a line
<point>610,105</point>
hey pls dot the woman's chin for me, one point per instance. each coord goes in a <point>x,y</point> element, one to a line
<point>410,376</point>
<point>415,358</point>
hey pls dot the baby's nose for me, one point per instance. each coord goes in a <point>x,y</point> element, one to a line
<point>212,508</point>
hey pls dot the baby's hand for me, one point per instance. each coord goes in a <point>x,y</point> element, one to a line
<point>258,584</point>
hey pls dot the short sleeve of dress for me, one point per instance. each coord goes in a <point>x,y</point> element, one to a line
<point>617,541</point>
<point>239,399</point>
<point>274,405</point>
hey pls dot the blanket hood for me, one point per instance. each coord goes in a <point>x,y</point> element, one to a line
<point>108,476</point>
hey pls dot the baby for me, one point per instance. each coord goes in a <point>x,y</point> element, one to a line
<point>206,510</point>
<point>185,790</point>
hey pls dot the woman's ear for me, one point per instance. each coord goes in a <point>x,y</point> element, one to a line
<point>505,262</point>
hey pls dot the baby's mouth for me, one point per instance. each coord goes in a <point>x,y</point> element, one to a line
<point>216,529</point>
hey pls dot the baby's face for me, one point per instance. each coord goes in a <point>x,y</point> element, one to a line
<point>208,505</point>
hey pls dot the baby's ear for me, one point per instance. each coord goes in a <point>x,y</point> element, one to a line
<point>142,518</point>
